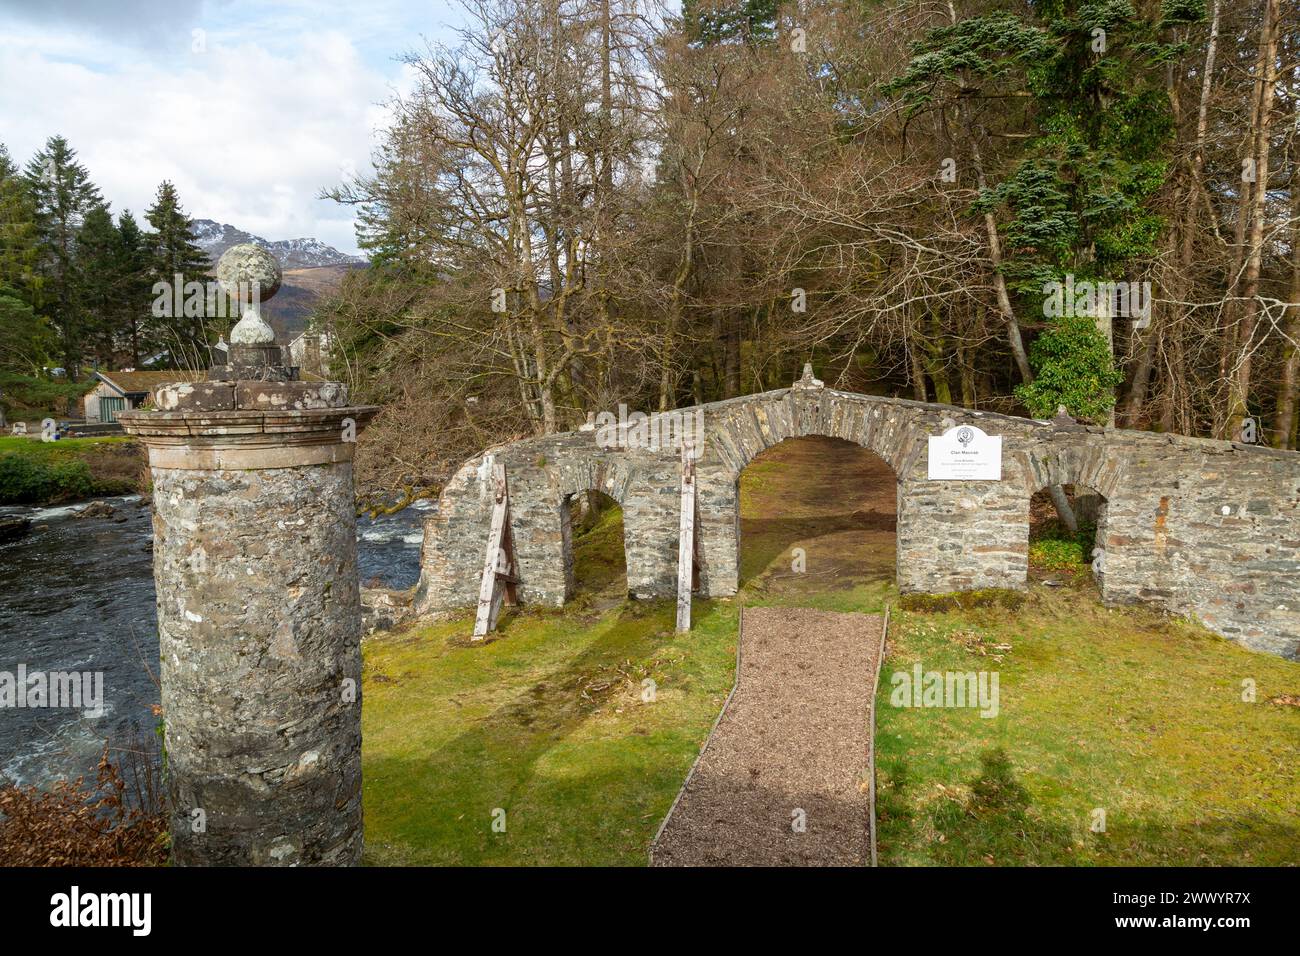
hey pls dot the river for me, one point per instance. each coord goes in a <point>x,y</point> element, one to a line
<point>77,595</point>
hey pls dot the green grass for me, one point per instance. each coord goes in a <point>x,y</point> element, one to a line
<point>1056,549</point>
<point>1119,710</point>
<point>545,721</point>
<point>35,472</point>
<point>1123,710</point>
<point>962,600</point>
<point>56,450</point>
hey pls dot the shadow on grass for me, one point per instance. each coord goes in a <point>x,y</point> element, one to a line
<point>579,783</point>
<point>996,823</point>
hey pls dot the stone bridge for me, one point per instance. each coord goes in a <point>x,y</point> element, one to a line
<point>1193,526</point>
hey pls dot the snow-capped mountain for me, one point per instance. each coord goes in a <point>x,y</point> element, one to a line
<point>214,238</point>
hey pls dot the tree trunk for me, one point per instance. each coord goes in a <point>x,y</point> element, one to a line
<point>1105,323</point>
<point>667,377</point>
<point>731,353</point>
<point>938,370</point>
<point>1239,391</point>
<point>1284,429</point>
<point>1186,200</point>
<point>968,393</point>
<point>918,373</point>
<point>1014,338</point>
<point>1063,509</point>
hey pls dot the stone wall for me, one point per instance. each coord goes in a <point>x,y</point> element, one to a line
<point>1193,526</point>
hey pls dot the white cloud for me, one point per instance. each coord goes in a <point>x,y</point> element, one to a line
<point>248,133</point>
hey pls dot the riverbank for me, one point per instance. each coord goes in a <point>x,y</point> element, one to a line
<point>35,472</point>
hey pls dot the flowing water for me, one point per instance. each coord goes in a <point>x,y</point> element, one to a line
<point>76,595</point>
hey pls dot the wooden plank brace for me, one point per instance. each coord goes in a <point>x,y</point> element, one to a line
<point>688,546</point>
<point>500,570</point>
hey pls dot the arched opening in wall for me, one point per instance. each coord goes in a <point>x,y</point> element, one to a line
<point>595,561</point>
<point>818,515</point>
<point>1059,554</point>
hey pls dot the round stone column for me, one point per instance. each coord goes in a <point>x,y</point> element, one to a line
<point>259,613</point>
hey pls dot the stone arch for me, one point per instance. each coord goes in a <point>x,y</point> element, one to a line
<point>607,473</point>
<point>571,531</point>
<point>741,429</point>
<point>738,430</point>
<point>1095,466</point>
<point>1089,469</point>
<point>1192,525</point>
<point>1091,509</point>
<point>844,487</point>
<point>603,474</point>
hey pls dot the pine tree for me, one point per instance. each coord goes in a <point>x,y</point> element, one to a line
<point>19,251</point>
<point>63,196</point>
<point>173,252</point>
<point>727,21</point>
<point>26,341</point>
<point>135,281</point>
<point>99,275</point>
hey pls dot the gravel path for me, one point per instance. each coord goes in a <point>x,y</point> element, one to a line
<point>796,736</point>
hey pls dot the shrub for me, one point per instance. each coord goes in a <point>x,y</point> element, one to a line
<point>25,480</point>
<point>1073,367</point>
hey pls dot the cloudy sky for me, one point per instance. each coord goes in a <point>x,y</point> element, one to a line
<point>249,106</point>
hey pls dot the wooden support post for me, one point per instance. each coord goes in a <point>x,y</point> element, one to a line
<point>686,548</point>
<point>499,569</point>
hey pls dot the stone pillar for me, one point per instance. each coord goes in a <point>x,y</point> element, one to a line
<point>259,613</point>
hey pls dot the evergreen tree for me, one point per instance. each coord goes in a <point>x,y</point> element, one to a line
<point>173,252</point>
<point>727,21</point>
<point>27,345</point>
<point>1076,200</point>
<point>19,252</point>
<point>26,340</point>
<point>135,281</point>
<point>63,196</point>
<point>100,276</point>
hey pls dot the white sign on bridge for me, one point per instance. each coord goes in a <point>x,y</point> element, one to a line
<point>965,453</point>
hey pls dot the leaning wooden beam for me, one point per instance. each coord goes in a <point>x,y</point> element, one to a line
<point>499,571</point>
<point>686,541</point>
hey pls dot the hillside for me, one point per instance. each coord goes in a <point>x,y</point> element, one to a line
<point>291,308</point>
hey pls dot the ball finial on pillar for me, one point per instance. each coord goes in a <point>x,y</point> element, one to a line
<point>250,275</point>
